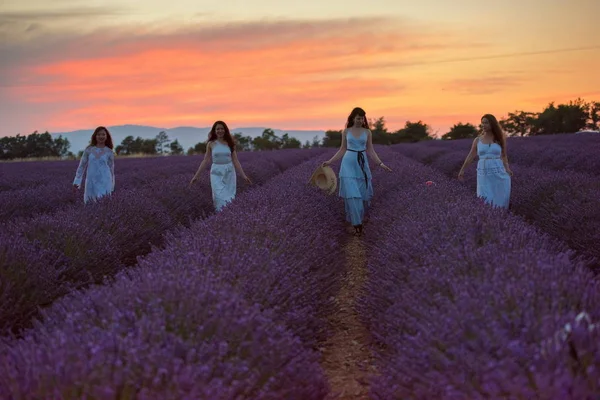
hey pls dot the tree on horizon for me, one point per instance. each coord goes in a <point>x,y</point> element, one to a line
<point>461,131</point>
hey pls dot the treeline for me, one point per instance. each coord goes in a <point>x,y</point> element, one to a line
<point>35,145</point>
<point>266,141</point>
<point>562,118</point>
<point>161,144</point>
<point>572,117</point>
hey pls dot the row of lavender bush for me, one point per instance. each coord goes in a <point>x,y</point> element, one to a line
<point>230,308</point>
<point>561,203</point>
<point>47,256</point>
<point>577,153</point>
<point>469,302</point>
<point>31,174</point>
<point>57,194</point>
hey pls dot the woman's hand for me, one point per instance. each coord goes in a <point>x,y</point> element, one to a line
<point>461,175</point>
<point>248,181</point>
<point>382,165</point>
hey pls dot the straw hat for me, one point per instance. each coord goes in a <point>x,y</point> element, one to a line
<point>324,178</point>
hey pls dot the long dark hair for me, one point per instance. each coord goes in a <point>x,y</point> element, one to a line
<point>108,143</point>
<point>212,135</point>
<point>357,111</point>
<point>496,130</point>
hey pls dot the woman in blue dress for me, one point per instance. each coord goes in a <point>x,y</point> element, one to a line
<point>221,151</point>
<point>493,172</point>
<point>98,160</point>
<point>355,185</point>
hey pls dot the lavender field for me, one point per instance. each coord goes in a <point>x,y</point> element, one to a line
<point>556,183</point>
<point>150,295</point>
<point>51,244</point>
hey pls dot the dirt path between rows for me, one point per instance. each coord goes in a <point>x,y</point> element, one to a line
<point>347,359</point>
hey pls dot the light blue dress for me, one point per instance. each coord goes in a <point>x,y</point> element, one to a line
<point>355,182</point>
<point>493,182</point>
<point>223,179</point>
<point>99,165</point>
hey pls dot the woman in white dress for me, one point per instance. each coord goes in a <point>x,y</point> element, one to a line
<point>98,161</point>
<point>220,149</point>
<point>493,173</point>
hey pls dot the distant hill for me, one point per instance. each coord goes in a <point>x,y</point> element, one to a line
<point>187,136</point>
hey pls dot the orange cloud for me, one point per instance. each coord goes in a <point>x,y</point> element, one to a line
<point>487,85</point>
<point>252,73</point>
<point>289,74</point>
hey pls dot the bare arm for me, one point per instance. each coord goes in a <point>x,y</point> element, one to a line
<point>371,150</point>
<point>207,159</point>
<point>340,153</point>
<point>505,159</point>
<point>238,166</point>
<point>470,157</point>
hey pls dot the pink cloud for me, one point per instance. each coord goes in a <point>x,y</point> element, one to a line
<point>252,72</point>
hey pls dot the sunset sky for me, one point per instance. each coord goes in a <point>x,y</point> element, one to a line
<point>67,65</point>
